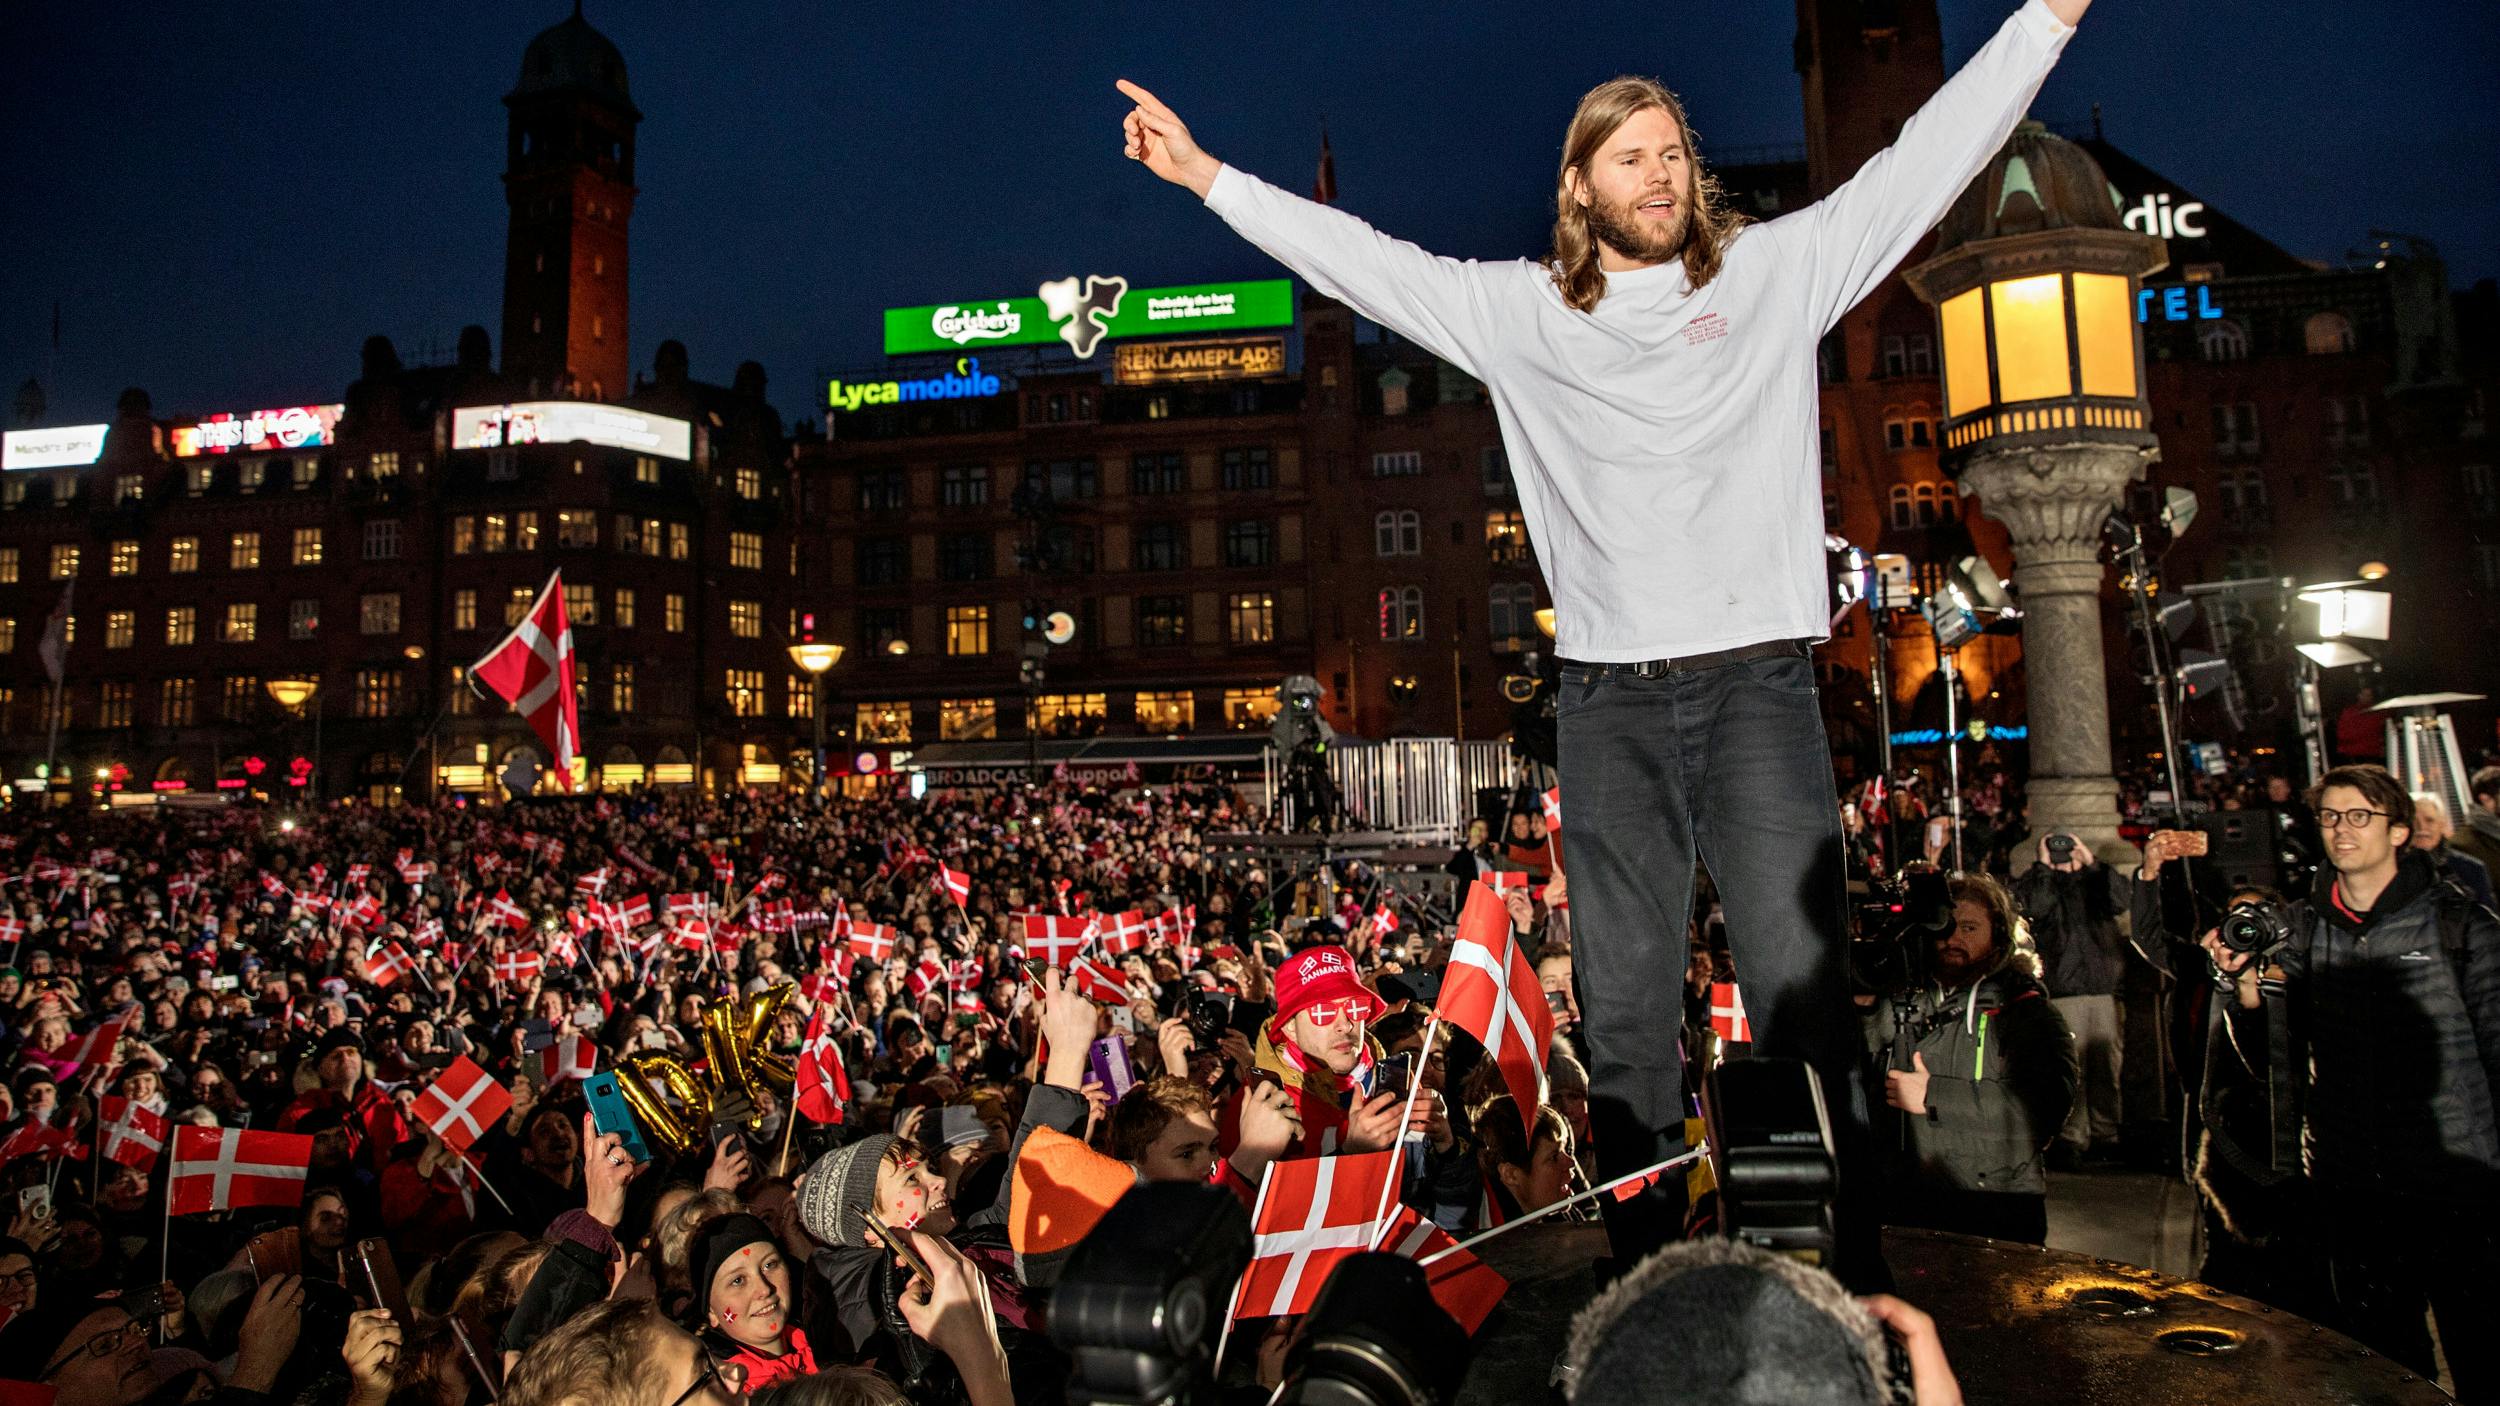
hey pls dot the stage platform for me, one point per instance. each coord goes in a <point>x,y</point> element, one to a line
<point>2021,1325</point>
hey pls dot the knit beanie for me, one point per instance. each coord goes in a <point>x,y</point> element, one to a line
<point>1722,1323</point>
<point>712,1244</point>
<point>840,1188</point>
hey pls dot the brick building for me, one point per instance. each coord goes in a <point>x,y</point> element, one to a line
<point>377,545</point>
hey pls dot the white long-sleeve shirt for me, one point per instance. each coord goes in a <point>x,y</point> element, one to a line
<point>1665,443</point>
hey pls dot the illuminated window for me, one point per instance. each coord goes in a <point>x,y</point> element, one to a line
<point>746,619</point>
<point>64,560</point>
<point>1246,708</point>
<point>383,463</point>
<point>307,546</point>
<point>377,693</point>
<point>745,692</point>
<point>1250,618</point>
<point>251,474</point>
<point>114,700</point>
<point>967,630</point>
<point>967,719</point>
<point>1510,616</point>
<point>242,623</point>
<point>1250,542</point>
<point>621,613</point>
<point>303,619</point>
<point>183,556</point>
<point>1071,714</point>
<point>8,635</point>
<point>176,702</point>
<point>120,628</point>
<point>621,687</point>
<point>646,469</point>
<point>1506,538</point>
<point>1398,533</point>
<point>382,540</point>
<point>654,537</point>
<point>750,483</point>
<point>495,532</point>
<point>1167,712</point>
<point>463,535</point>
<point>883,722</point>
<point>673,613</point>
<point>746,550</point>
<point>129,488</point>
<point>124,560</point>
<point>581,604</point>
<point>182,624</point>
<point>1402,613</point>
<point>801,689</point>
<point>464,610</point>
<point>525,532</point>
<point>577,527</point>
<point>8,566</point>
<point>200,478</point>
<point>516,605</point>
<point>239,698</point>
<point>307,469</point>
<point>2327,334</point>
<point>377,613</point>
<point>243,551</point>
<point>678,542</point>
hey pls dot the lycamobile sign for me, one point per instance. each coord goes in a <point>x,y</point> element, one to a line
<point>1084,311</point>
<point>965,381</point>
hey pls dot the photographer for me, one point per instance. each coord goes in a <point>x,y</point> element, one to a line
<point>1979,1071</point>
<point>2389,982</point>
<point>2072,902</point>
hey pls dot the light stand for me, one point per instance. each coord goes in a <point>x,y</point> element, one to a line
<point>1971,589</point>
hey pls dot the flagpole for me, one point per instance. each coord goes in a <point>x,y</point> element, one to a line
<point>480,1169</point>
<point>1533,1217</point>
<point>1267,1178</point>
<point>1414,1086</point>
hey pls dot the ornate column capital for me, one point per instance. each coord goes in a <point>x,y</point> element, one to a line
<point>2053,500</point>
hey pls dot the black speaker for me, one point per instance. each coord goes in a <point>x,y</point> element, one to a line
<point>1493,808</point>
<point>2241,848</point>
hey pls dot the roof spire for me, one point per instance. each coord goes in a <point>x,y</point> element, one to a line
<point>1324,189</point>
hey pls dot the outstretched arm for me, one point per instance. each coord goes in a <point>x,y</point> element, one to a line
<point>1439,302</point>
<point>1853,238</point>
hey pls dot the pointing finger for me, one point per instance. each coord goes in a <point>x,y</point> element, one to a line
<point>1143,98</point>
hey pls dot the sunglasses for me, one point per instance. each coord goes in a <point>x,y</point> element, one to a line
<point>1328,1013</point>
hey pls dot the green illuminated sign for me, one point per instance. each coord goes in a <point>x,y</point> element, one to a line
<point>1083,311</point>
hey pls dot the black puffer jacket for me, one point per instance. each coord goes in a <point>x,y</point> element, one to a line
<point>2401,1037</point>
<point>2074,923</point>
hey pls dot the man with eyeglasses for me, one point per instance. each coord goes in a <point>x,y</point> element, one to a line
<point>94,1352</point>
<point>2389,984</point>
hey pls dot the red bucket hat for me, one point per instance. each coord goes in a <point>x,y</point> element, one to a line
<point>1316,976</point>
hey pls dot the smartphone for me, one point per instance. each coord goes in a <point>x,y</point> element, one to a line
<point>965,1020</point>
<point>1559,1002</point>
<point>35,1201</point>
<point>1107,1060</point>
<point>1392,1075</point>
<point>900,1246</point>
<point>609,1113</point>
<point>1124,1020</point>
<point>382,1279</point>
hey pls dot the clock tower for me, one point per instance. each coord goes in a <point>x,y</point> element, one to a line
<point>569,179</point>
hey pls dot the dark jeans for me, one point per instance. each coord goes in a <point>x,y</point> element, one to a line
<point>1730,764</point>
<point>2389,1259</point>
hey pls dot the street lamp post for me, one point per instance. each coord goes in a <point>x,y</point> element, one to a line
<point>292,693</point>
<point>2034,283</point>
<point>816,657</point>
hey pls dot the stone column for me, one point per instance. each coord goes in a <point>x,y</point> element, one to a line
<point>2053,501</point>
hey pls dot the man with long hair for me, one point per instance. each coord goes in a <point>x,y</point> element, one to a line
<point>1655,382</point>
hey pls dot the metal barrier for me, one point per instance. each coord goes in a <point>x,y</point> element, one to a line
<point>1421,789</point>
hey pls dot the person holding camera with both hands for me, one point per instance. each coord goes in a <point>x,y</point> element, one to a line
<point>2072,902</point>
<point>2388,977</point>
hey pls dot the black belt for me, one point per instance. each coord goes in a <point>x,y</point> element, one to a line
<point>1694,663</point>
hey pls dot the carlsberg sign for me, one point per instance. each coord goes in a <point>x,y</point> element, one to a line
<point>1082,311</point>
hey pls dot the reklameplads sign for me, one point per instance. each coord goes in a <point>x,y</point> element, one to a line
<point>1084,311</point>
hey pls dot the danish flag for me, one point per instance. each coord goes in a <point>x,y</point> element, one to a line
<point>958,885</point>
<point>462,1103</point>
<point>692,935</point>
<point>926,977</point>
<point>1464,1286</point>
<point>386,962</point>
<point>1098,982</point>
<point>1384,920</point>
<point>1727,1014</point>
<point>875,941</point>
<point>570,1057</point>
<point>357,874</point>
<point>592,884</point>
<point>36,1138</point>
<point>12,929</point>
<point>505,911</point>
<point>133,1133</point>
<point>95,1048</point>
<point>1490,991</point>
<point>1053,940</point>
<point>823,1086</point>
<point>365,909</point>
<point>1504,879</point>
<point>635,911</point>
<point>532,669</point>
<point>1553,809</point>
<point>429,931</point>
<point>1125,932</point>
<point>416,873</point>
<point>687,905</point>
<point>227,1169</point>
<point>513,968</point>
<point>724,868</point>
<point>1313,1212</point>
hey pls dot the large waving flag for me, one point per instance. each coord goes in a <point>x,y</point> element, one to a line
<point>532,669</point>
<point>227,1169</point>
<point>1490,991</point>
<point>1313,1212</point>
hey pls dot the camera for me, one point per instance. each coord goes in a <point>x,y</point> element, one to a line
<point>1897,930</point>
<point>1209,1012</point>
<point>2256,925</point>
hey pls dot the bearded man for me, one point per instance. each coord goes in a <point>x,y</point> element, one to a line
<point>1655,382</point>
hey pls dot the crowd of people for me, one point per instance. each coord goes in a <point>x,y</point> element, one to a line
<point>979,1102</point>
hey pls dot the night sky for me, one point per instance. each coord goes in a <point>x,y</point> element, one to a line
<point>224,200</point>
